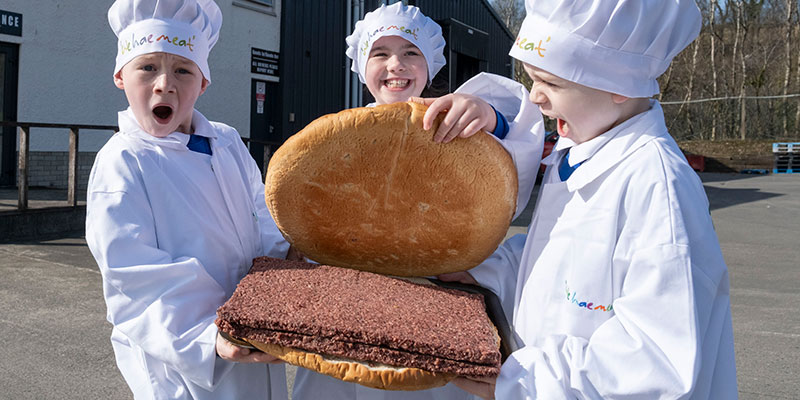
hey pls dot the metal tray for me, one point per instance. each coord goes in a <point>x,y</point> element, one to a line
<point>237,342</point>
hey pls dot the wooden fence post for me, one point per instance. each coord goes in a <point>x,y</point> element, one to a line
<point>22,184</point>
<point>72,184</point>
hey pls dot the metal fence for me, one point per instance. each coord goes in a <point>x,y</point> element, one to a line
<point>734,118</point>
<point>23,161</point>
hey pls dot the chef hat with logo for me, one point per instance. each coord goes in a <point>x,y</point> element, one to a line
<point>617,46</point>
<point>188,28</point>
<point>397,19</point>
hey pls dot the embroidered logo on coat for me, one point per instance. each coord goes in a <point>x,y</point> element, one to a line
<point>572,297</point>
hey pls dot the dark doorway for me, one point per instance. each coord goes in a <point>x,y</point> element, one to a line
<point>466,51</point>
<point>466,68</point>
<point>9,61</point>
<point>264,118</point>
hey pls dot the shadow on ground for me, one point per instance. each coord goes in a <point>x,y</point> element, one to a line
<point>720,196</point>
<point>727,197</point>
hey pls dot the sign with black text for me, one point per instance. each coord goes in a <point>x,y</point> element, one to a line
<point>264,62</point>
<point>10,23</point>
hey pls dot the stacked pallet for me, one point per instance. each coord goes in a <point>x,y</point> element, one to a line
<point>787,158</point>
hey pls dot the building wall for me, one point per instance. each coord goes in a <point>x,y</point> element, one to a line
<point>66,62</point>
<point>245,25</point>
<point>67,56</point>
<point>66,59</point>
<point>314,65</point>
<point>50,169</point>
<point>478,14</point>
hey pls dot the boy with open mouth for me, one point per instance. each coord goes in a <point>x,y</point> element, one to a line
<point>619,289</point>
<point>176,214</point>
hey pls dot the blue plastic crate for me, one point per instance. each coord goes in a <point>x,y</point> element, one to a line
<point>786,163</point>
<point>786,147</point>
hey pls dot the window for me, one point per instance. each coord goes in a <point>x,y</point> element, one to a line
<point>264,2</point>
<point>262,6</point>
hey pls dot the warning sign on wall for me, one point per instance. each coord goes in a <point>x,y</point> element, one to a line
<point>264,62</point>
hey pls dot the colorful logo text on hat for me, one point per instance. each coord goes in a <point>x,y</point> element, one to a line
<point>129,45</point>
<point>523,44</point>
<point>410,31</point>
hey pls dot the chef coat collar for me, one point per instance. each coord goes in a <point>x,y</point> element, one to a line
<point>177,140</point>
<point>609,148</point>
<point>579,153</point>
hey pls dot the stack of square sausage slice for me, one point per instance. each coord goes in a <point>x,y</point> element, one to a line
<point>362,327</point>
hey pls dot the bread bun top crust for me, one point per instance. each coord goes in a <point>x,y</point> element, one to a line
<point>368,189</point>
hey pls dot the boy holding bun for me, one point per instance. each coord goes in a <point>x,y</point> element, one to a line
<point>176,214</point>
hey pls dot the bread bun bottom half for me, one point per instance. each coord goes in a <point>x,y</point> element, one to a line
<point>374,375</point>
<point>369,189</point>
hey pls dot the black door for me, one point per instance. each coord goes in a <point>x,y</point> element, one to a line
<point>465,67</point>
<point>466,51</point>
<point>264,118</point>
<point>9,59</point>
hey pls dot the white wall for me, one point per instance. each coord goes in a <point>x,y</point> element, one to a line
<point>228,98</point>
<point>67,53</point>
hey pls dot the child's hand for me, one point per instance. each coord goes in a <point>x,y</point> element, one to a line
<point>466,115</point>
<point>461,277</point>
<point>483,388</point>
<point>231,352</point>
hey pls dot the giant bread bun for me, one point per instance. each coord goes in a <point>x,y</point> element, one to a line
<point>367,188</point>
<point>374,375</point>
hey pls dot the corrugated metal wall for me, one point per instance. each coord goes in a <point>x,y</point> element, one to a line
<point>312,61</point>
<point>480,15</point>
<point>313,64</point>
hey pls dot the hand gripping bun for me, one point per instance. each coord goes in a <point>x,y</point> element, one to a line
<point>378,376</point>
<point>367,188</point>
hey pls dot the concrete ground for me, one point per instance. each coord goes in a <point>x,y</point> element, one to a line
<point>54,336</point>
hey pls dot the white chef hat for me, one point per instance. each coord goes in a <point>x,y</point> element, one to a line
<point>397,19</point>
<point>617,46</point>
<point>188,28</point>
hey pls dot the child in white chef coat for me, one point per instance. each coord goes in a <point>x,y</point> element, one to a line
<point>619,288</point>
<point>396,51</point>
<point>176,214</point>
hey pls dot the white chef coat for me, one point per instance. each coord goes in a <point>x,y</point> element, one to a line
<point>173,231</point>
<point>525,138</point>
<point>620,289</point>
<point>524,142</point>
